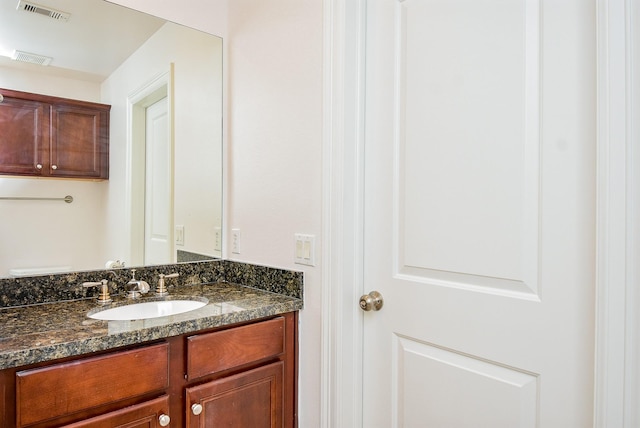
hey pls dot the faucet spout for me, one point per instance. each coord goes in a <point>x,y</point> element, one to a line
<point>135,287</point>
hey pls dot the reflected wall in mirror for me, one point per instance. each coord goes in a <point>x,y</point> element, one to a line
<point>154,196</point>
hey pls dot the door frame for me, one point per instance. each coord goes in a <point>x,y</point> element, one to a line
<point>137,102</point>
<point>617,382</point>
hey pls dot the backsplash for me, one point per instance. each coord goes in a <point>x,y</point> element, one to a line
<point>68,286</point>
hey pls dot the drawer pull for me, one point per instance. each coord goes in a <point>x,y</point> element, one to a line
<point>196,409</point>
<point>164,420</point>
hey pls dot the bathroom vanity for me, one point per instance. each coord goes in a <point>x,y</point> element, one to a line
<point>232,360</point>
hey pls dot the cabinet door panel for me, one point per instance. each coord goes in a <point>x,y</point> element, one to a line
<point>24,127</point>
<point>250,399</point>
<point>78,143</point>
<point>145,415</point>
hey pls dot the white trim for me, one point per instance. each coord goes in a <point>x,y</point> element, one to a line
<point>137,101</point>
<point>341,371</point>
<point>226,159</point>
<point>616,377</point>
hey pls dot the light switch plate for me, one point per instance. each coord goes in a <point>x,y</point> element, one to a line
<point>179,235</point>
<point>304,249</point>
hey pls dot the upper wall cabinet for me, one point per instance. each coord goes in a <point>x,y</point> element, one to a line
<point>53,137</point>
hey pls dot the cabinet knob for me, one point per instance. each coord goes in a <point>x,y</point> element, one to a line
<point>164,420</point>
<point>54,166</point>
<point>196,409</point>
<point>39,166</point>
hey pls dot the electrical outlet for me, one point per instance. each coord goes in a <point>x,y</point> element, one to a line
<point>179,235</point>
<point>235,241</point>
<point>304,249</point>
<point>218,239</point>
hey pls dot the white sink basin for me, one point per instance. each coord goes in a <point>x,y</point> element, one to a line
<point>146,310</point>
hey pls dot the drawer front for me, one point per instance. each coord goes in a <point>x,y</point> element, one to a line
<point>65,388</point>
<point>214,352</point>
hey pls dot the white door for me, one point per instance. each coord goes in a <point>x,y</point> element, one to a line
<point>479,213</point>
<point>158,237</point>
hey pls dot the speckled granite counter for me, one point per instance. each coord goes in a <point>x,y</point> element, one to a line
<point>43,332</point>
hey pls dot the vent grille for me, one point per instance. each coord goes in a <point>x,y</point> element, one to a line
<point>31,58</point>
<point>43,10</point>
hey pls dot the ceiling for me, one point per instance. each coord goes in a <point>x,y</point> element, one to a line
<point>93,42</point>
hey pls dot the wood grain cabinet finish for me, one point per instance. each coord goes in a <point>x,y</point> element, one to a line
<point>66,388</point>
<point>243,375</point>
<point>46,136</point>
<point>249,399</point>
<point>215,352</point>
<point>145,415</point>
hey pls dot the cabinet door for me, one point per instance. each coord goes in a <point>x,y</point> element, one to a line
<point>145,415</point>
<point>79,142</point>
<point>24,126</point>
<point>249,399</point>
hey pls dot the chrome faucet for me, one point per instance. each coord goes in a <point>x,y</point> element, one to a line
<point>135,287</point>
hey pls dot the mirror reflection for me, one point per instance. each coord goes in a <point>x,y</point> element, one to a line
<point>163,200</point>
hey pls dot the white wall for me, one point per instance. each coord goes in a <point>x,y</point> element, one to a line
<point>273,63</point>
<point>50,233</point>
<point>275,150</point>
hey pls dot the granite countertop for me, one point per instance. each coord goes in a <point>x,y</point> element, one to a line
<point>43,332</point>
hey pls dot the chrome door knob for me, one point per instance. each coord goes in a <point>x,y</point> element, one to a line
<point>196,409</point>
<point>39,166</point>
<point>371,302</point>
<point>54,166</point>
<point>164,420</point>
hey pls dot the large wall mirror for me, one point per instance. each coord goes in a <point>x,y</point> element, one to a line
<point>163,200</point>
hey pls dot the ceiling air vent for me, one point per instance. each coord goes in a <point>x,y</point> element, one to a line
<point>43,10</point>
<point>31,58</point>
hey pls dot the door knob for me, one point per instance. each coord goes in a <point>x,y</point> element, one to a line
<point>372,301</point>
<point>196,409</point>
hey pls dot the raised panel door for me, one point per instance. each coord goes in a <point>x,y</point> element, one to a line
<point>479,213</point>
<point>24,133</point>
<point>249,399</point>
<point>79,142</point>
<point>145,415</point>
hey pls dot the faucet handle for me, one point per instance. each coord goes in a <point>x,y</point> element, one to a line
<point>103,297</point>
<point>161,288</point>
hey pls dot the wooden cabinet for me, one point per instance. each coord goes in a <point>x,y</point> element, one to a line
<point>210,353</point>
<point>252,398</point>
<point>61,389</point>
<point>53,137</point>
<point>146,415</point>
<point>243,375</point>
<point>249,399</point>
